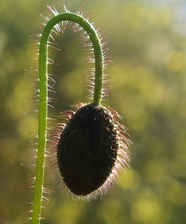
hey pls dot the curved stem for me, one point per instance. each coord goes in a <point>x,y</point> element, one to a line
<point>43,95</point>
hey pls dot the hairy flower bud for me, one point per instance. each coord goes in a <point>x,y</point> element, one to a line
<point>91,149</point>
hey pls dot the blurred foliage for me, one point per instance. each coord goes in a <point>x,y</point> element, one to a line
<point>148,48</point>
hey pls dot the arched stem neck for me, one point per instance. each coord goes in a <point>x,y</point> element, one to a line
<point>94,37</point>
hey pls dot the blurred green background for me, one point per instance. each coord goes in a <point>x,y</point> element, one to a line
<point>147,40</point>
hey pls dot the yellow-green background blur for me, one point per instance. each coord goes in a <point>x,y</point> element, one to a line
<point>147,41</point>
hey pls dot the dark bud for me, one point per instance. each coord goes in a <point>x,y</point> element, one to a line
<point>87,149</point>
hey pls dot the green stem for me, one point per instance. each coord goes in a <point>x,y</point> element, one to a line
<point>43,95</point>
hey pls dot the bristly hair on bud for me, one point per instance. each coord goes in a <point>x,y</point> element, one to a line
<point>89,145</point>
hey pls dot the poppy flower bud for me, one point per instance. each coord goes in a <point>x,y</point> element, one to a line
<point>89,151</point>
